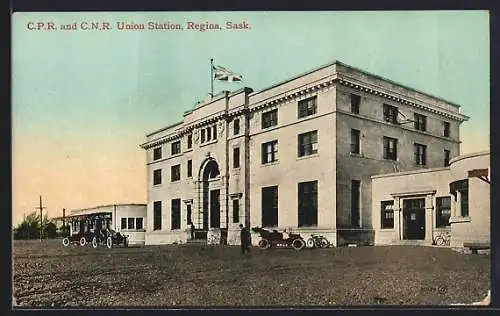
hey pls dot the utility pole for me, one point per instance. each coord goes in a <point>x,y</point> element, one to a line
<point>40,207</point>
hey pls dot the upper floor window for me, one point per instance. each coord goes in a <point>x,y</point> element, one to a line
<point>270,151</point>
<point>157,153</point>
<point>214,128</point>
<point>270,118</point>
<point>390,113</point>
<point>355,141</point>
<point>202,135</point>
<point>176,147</point>
<point>420,154</point>
<point>307,107</point>
<point>236,125</point>
<point>355,102</point>
<point>446,158</point>
<point>175,173</point>
<point>209,134</point>
<point>390,148</point>
<point>236,157</point>
<point>189,168</point>
<point>157,176</point>
<point>446,129</point>
<point>443,211</point>
<point>308,143</point>
<point>420,122</point>
<point>190,141</point>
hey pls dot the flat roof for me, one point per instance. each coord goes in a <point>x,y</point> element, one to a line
<point>89,209</point>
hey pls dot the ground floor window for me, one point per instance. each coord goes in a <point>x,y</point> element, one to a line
<point>270,206</point>
<point>188,211</point>
<point>308,203</point>
<point>176,214</point>
<point>138,223</point>
<point>124,223</point>
<point>236,211</point>
<point>355,203</point>
<point>387,214</point>
<point>464,202</point>
<point>131,223</point>
<point>443,211</point>
<point>156,215</point>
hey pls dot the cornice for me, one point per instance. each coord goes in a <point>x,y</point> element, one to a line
<point>396,97</point>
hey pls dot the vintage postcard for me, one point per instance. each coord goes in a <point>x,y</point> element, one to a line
<point>250,159</point>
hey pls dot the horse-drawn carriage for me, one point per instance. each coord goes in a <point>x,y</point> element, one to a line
<point>94,229</point>
<point>276,239</point>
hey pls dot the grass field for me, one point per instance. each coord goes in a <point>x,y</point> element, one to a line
<point>50,275</point>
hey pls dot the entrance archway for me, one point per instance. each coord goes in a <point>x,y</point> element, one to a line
<point>210,196</point>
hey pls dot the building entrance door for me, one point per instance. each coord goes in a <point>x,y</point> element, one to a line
<point>414,219</point>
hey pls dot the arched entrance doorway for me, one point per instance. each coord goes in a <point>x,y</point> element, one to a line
<point>210,195</point>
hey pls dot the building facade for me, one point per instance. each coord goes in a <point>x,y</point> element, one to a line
<point>298,155</point>
<point>423,206</point>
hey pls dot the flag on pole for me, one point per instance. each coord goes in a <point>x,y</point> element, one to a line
<point>223,74</point>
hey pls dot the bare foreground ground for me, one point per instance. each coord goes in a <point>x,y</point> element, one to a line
<point>49,275</point>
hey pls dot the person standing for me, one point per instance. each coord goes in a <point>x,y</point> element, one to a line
<point>245,239</point>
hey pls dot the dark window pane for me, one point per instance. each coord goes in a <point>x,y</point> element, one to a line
<point>355,102</point>
<point>270,206</point>
<point>157,215</point>
<point>308,204</point>
<point>236,211</point>
<point>124,223</point>
<point>138,223</point>
<point>307,107</point>
<point>236,157</point>
<point>157,153</point>
<point>131,223</point>
<point>157,176</point>
<point>176,214</point>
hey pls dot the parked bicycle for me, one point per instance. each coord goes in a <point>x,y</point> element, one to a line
<point>318,241</point>
<point>442,239</point>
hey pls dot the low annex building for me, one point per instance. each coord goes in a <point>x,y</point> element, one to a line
<point>425,206</point>
<point>128,219</point>
<point>298,155</point>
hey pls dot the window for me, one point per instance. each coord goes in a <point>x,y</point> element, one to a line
<point>464,202</point>
<point>190,141</point>
<point>157,215</point>
<point>214,131</point>
<point>270,118</point>
<point>446,158</point>
<point>443,211</point>
<point>446,129</point>
<point>175,173</point>
<point>236,211</point>
<point>203,135</point>
<point>209,133</point>
<point>355,102</point>
<point>270,206</point>
<point>355,203</point>
<point>157,177</point>
<point>236,157</point>
<point>308,204</point>
<point>355,141</point>
<point>420,154</point>
<point>189,214</point>
<point>124,223</point>
<point>390,148</point>
<point>236,125</point>
<point>307,107</point>
<point>176,214</point>
<point>189,168</point>
<point>157,153</point>
<point>420,122</point>
<point>308,143</point>
<point>131,223</point>
<point>390,113</point>
<point>138,223</point>
<point>387,214</point>
<point>176,147</point>
<point>270,152</point>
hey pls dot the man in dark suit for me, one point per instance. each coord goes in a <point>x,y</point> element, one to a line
<point>246,239</point>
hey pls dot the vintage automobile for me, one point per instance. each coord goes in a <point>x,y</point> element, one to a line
<point>274,239</point>
<point>87,229</point>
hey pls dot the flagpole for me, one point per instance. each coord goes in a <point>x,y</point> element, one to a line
<point>211,78</point>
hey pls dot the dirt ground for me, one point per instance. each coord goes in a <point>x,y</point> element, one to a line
<point>49,275</point>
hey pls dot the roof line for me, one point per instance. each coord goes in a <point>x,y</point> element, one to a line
<point>164,128</point>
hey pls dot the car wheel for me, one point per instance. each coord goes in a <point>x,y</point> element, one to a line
<point>65,242</point>
<point>109,242</point>
<point>310,243</point>
<point>298,244</point>
<point>83,241</point>
<point>263,244</point>
<point>94,242</point>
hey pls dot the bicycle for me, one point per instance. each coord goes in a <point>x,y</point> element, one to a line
<point>318,241</point>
